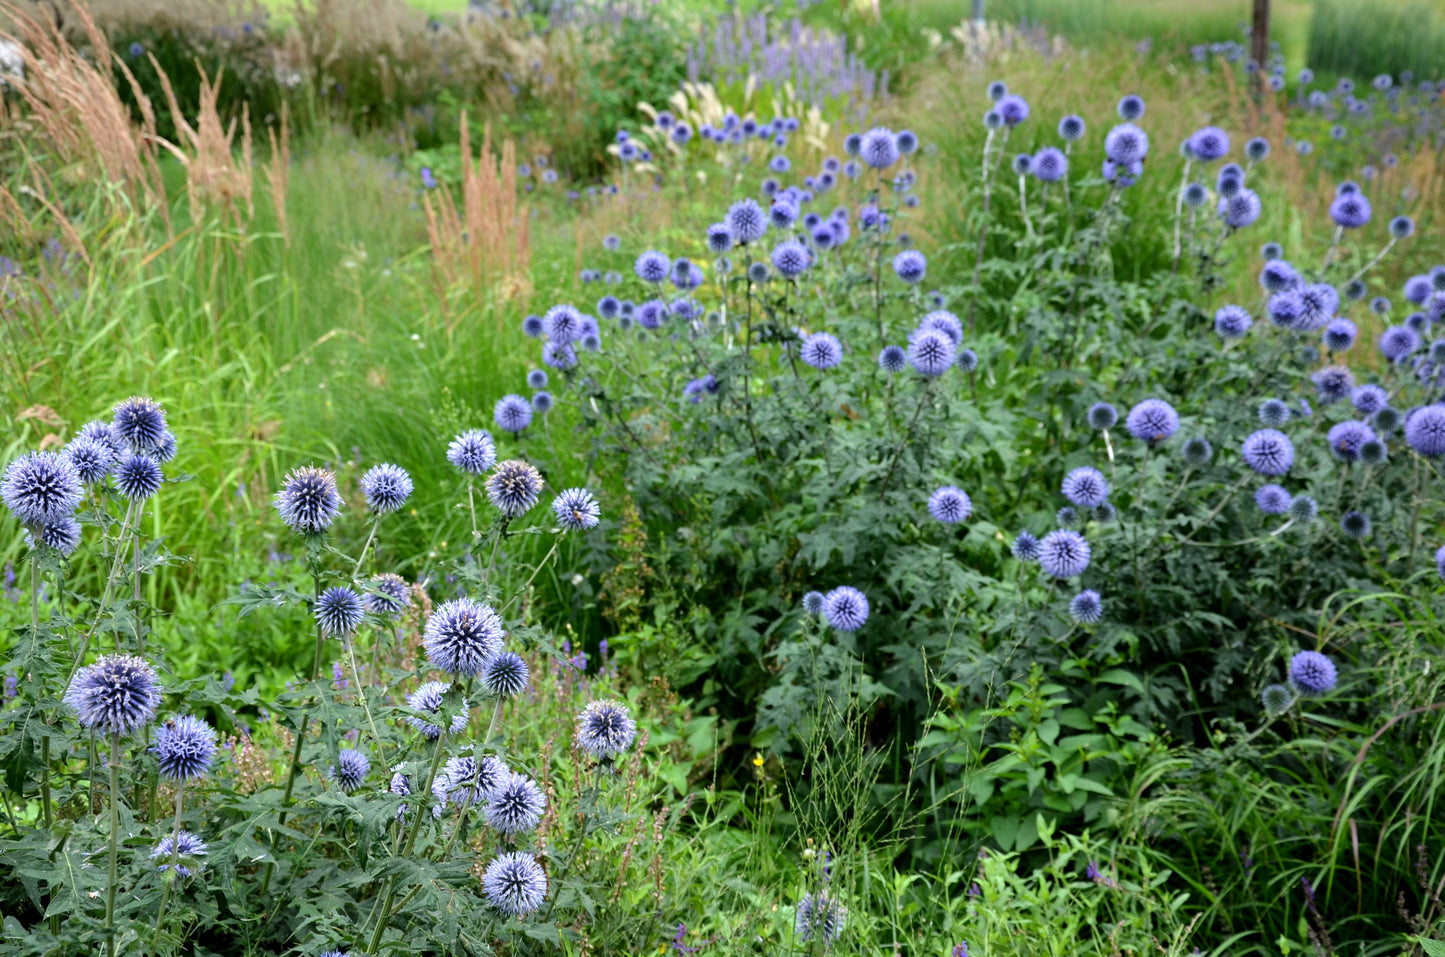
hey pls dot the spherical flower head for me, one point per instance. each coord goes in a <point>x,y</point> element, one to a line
<point>608,307</point>
<point>388,595</point>
<point>930,352</point>
<point>308,500</point>
<point>1197,452</point>
<point>515,884</point>
<point>462,635</point>
<point>1374,452</point>
<point>967,360</point>
<point>1049,164</point>
<point>1013,109</point>
<point>1025,547</point>
<point>339,610</point>
<point>1350,210</point>
<point>506,675</point>
<point>1232,322</point>
<point>1277,699</point>
<point>853,144</point>
<point>821,350</point>
<point>950,505</point>
<point>790,258</point>
<point>892,359</point>
<point>783,214</point>
<point>1272,499</point>
<point>184,748</point>
<point>533,327</point>
<point>1064,553</point>
<point>1397,342</point>
<point>1123,175</point>
<point>1022,163</point>
<point>1303,509</point>
<point>1257,149</point>
<point>907,141</point>
<point>1086,607</point>
<point>1401,227</point>
<point>512,413</point>
<point>1067,517</point>
<point>1086,486</point>
<point>467,781</point>
<point>1241,209</point>
<point>1131,107</point>
<point>997,90</point>
<point>577,510</point>
<point>1437,278</point>
<point>1273,413</point>
<point>878,148</point>
<point>1227,186</point>
<point>563,324</point>
<point>910,266</point>
<point>350,769</point>
<point>514,487</point>
<point>116,695</point>
<point>515,805</point>
<point>1440,562</point>
<point>1425,430</point>
<point>1126,143</point>
<point>101,431</point>
<point>1312,673</point>
<point>945,322</point>
<point>138,422</point>
<point>62,535</point>
<point>1339,335</point>
<point>137,476</point>
<point>813,600</point>
<point>605,729</point>
<point>180,849</point>
<point>1418,289</point>
<point>1071,128</point>
<point>1271,251</point>
<point>1278,276</point>
<point>746,221</point>
<point>428,698</point>
<point>1268,452</point>
<point>1346,439</point>
<point>90,457</point>
<point>819,916</point>
<point>652,266</point>
<point>1333,383</point>
<point>165,449</point>
<point>386,487</point>
<point>1102,416</point>
<point>473,452</point>
<point>1209,143</point>
<point>1195,195</point>
<point>1152,421</point>
<point>41,488</point>
<point>1386,420</point>
<point>845,608</point>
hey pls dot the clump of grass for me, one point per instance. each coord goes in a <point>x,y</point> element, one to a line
<point>1362,40</point>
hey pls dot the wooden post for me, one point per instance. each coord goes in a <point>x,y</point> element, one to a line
<point>1259,42</point>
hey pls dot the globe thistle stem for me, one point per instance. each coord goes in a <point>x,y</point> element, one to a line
<point>44,780</point>
<point>175,871</point>
<point>384,917</point>
<point>112,880</point>
<point>1228,497</point>
<point>1179,216</point>
<point>1334,246</point>
<point>907,437</point>
<point>348,646</point>
<point>110,583</point>
<point>375,523</point>
<point>1385,251</point>
<point>536,570</point>
<point>1024,205</point>
<point>472,507</point>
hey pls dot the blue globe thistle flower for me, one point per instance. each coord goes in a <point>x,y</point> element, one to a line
<point>907,141</point>
<point>1374,452</point>
<point>165,449</point>
<point>1319,302</point>
<point>563,324</point>
<point>892,359</point>
<point>512,413</point>
<point>506,675</point>
<point>462,635</point>
<point>1397,342</point>
<point>1401,227</point>
<point>1152,421</point>
<point>515,883</point>
<point>1126,144</point>
<point>608,307</point>
<point>308,500</point>
<point>542,402</point>
<point>62,535</point>
<point>1257,149</point>
<point>1071,128</point>
<point>1278,276</point>
<point>1337,132</point>
<point>1241,209</point>
<point>812,221</point>
<point>813,600</point>
<point>1303,509</point>
<point>339,610</point>
<point>1346,438</point>
<point>930,352</point>
<point>1272,499</point>
<point>1086,607</point>
<point>1022,163</point>
<point>515,805</point>
<point>1013,109</point>
<point>1102,416</point>
<point>1271,250</point>
<point>534,327</point>
<point>180,850</point>
<point>758,272</point>
<point>652,266</point>
<point>428,698</point>
<point>1339,335</point>
<point>139,422</point>
<point>350,769</point>
<point>537,379</point>
<point>950,505</point>
<point>790,258</point>
<point>746,221</point>
<point>116,695</point>
<point>1380,305</point>
<point>1277,699</point>
<point>1232,322</point>
<point>1123,175</point>
<point>466,781</point>
<point>1268,452</point>
<point>1209,143</point>
<point>878,148</point>
<point>611,242</point>
<point>821,350</point>
<point>1197,452</point>
<point>1131,107</point>
<point>910,266</point>
<point>605,729</point>
<point>852,169</point>
<point>1350,210</point>
<point>1418,289</point>
<point>137,476</point>
<point>651,313</point>
<point>1067,517</point>
<point>577,510</point>
<point>967,360</point>
<point>41,488</point>
<point>100,431</point>
<point>819,916</point>
<point>779,164</point>
<point>1025,547</point>
<point>719,238</point>
<point>184,748</point>
<point>1064,553</point>
<point>1440,561</point>
<point>1425,430</point>
<point>1273,413</point>
<point>1086,486</point>
<point>1333,383</point>
<point>823,237</point>
<point>1050,164</point>
<point>1228,185</point>
<point>945,322</point>
<point>386,488</point>
<point>1437,351</point>
<point>1304,147</point>
<point>514,487</point>
<point>697,388</point>
<point>1312,673</point>
<point>853,144</point>
<point>473,452</point>
<point>997,90</point>
<point>782,214</point>
<point>845,608</point>
<point>388,596</point>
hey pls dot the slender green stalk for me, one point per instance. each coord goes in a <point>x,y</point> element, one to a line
<point>175,869</point>
<point>114,846</point>
<point>356,569</point>
<point>421,812</point>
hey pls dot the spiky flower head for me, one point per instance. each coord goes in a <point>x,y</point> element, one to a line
<point>386,488</point>
<point>1022,163</point>
<point>1312,673</point>
<point>853,144</point>
<point>137,476</point>
<point>846,608</point>
<point>350,769</point>
<point>339,610</point>
<point>1268,452</point>
<point>1278,276</point>
<point>139,422</point>
<point>1272,499</point>
<point>1197,452</point>
<point>1086,486</point>
<point>1277,699</point>
<point>1071,128</point>
<point>1067,517</point>
<point>813,600</point>
<point>116,695</point>
<point>515,883</point>
<point>879,148</point>
<point>462,635</point>
<point>1126,144</point>
<point>388,595</point>
<point>893,359</point>
<point>1346,438</point>
<point>907,141</point>
<point>1025,547</point>
<point>559,356</point>
<point>1086,607</point>
<point>996,90</point>
<point>1386,420</point>
<point>90,457</point>
<point>512,413</point>
<point>533,327</point>
<point>184,748</point>
<point>1373,452</point>
<point>514,487</point>
<point>1152,421</point>
<point>473,452</point>
<point>308,500</point>
<point>1012,109</point>
<point>506,675</point>
<point>41,488</point>
<point>101,431</point>
<point>930,352</point>
<point>1303,509</point>
<point>950,505</point>
<point>1209,143</point>
<point>165,449</point>
<point>1339,335</point>
<point>652,266</point>
<point>428,698</point>
<point>466,781</point>
<point>62,535</point>
<point>1355,524</point>
<point>1241,209</point>
<point>910,266</point>
<point>605,729</point>
<point>1257,149</point>
<point>1333,383</point>
<point>1131,107</point>
<point>181,850</point>
<point>1049,164</point>
<point>1102,416</point>
<point>821,917</point>
<point>1195,195</point>
<point>1064,553</point>
<point>1232,322</point>
<point>1425,430</point>
<point>1350,210</point>
<point>746,221</point>
<point>1397,342</point>
<point>577,510</point>
<point>515,804</point>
